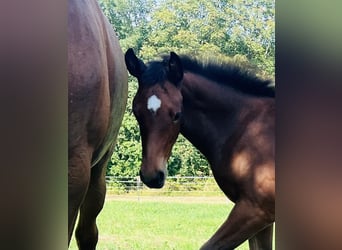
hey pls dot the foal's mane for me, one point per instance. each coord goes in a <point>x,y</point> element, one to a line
<point>224,73</point>
<point>229,74</point>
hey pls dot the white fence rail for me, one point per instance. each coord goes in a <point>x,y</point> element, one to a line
<point>174,186</point>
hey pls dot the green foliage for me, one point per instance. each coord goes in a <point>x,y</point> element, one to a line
<point>241,31</point>
<point>129,19</point>
<point>127,156</point>
<point>214,27</point>
<point>219,27</point>
<point>186,160</point>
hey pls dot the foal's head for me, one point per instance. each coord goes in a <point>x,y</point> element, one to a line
<point>157,107</point>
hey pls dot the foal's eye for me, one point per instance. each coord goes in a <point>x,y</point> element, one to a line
<point>176,117</point>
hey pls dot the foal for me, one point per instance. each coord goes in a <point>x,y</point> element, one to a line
<point>229,116</point>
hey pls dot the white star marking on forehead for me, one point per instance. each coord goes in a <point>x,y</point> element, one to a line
<point>153,103</point>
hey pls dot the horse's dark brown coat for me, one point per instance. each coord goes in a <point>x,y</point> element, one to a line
<point>97,79</point>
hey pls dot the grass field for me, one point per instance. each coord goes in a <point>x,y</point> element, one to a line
<point>162,225</point>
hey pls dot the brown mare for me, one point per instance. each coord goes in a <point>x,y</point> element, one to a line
<point>229,116</point>
<point>97,78</point>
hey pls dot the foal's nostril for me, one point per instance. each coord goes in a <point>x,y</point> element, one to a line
<point>161,176</point>
<point>159,180</point>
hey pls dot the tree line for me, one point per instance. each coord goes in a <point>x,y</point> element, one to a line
<point>240,31</point>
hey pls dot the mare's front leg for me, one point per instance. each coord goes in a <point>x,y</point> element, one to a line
<point>244,221</point>
<point>87,232</point>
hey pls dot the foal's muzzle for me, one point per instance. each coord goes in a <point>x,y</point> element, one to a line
<point>157,181</point>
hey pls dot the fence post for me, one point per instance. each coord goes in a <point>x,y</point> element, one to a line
<point>137,187</point>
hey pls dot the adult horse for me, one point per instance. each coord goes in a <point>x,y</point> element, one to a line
<point>229,116</point>
<point>97,78</point>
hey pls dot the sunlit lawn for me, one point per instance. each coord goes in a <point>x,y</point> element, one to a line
<point>147,225</point>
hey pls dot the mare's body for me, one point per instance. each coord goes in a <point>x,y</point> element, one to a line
<point>230,117</point>
<point>97,82</point>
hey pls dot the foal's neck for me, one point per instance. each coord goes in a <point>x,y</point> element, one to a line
<point>211,113</point>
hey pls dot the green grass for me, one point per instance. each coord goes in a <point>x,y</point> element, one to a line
<point>149,225</point>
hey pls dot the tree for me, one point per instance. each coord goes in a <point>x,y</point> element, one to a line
<point>214,27</point>
<point>129,19</point>
<point>127,156</point>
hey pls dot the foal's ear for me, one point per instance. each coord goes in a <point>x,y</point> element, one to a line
<point>175,73</point>
<point>134,65</point>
